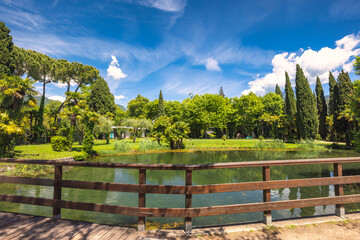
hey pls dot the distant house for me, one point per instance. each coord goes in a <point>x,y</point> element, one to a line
<point>127,133</point>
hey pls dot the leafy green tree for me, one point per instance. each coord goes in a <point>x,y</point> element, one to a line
<point>176,133</point>
<point>13,90</point>
<point>160,126</point>
<point>6,48</point>
<point>21,60</point>
<point>137,125</point>
<point>273,109</point>
<point>357,65</point>
<point>343,95</point>
<point>103,127</point>
<point>249,108</point>
<point>173,109</point>
<point>278,91</point>
<point>307,121</point>
<point>290,109</point>
<point>90,119</point>
<point>160,110</point>
<point>321,108</point>
<point>355,109</point>
<point>136,107</point>
<point>101,100</point>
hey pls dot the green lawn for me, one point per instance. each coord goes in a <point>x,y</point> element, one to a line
<point>44,151</point>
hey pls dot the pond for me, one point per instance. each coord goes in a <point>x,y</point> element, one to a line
<point>199,177</point>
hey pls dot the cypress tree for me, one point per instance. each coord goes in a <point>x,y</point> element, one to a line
<point>332,84</point>
<point>101,100</point>
<point>161,111</point>
<point>221,92</point>
<point>307,121</point>
<point>321,108</point>
<point>290,108</point>
<point>6,48</point>
<point>278,91</point>
<point>343,95</point>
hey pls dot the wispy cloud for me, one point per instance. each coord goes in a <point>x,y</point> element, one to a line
<point>212,64</point>
<point>57,98</point>
<point>119,97</point>
<point>164,5</point>
<point>314,63</point>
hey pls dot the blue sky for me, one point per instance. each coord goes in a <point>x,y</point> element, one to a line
<point>190,46</point>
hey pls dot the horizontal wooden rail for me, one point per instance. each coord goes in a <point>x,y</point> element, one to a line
<point>182,212</point>
<point>182,166</point>
<point>178,189</point>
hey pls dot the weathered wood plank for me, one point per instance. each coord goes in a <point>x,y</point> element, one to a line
<point>27,228</point>
<point>57,191</point>
<point>266,195</point>
<point>114,233</point>
<point>104,230</point>
<point>188,201</point>
<point>142,200</point>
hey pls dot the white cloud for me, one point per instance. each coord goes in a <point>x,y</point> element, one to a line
<point>212,64</point>
<point>119,97</point>
<point>57,98</point>
<point>114,71</point>
<point>64,85</point>
<point>165,5</point>
<point>313,63</point>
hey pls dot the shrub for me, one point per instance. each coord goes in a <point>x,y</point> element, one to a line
<point>81,156</point>
<point>308,145</point>
<point>59,143</point>
<point>122,146</point>
<point>148,145</point>
<point>276,144</point>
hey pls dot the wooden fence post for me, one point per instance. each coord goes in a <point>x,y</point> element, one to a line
<point>57,191</point>
<point>142,180</point>
<point>339,190</point>
<point>266,195</point>
<point>188,202</point>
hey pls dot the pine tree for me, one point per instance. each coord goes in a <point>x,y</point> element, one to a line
<point>221,92</point>
<point>307,121</point>
<point>343,95</point>
<point>161,111</point>
<point>101,100</point>
<point>278,91</point>
<point>6,48</point>
<point>321,108</point>
<point>332,84</point>
<point>290,108</point>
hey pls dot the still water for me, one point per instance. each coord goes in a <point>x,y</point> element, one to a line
<point>199,177</point>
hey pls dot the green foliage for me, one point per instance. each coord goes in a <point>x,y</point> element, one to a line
<point>136,107</point>
<point>148,145</point>
<point>176,133</point>
<point>343,93</point>
<point>321,108</point>
<point>357,65</point>
<point>6,48</point>
<point>221,92</point>
<point>355,109</point>
<point>278,91</point>
<point>309,145</point>
<point>290,110</point>
<point>307,121</point>
<point>137,125</point>
<point>160,110</point>
<point>81,156</point>
<point>332,84</point>
<point>101,100</point>
<point>103,127</point>
<point>122,146</point>
<point>159,128</point>
<point>90,118</point>
<point>59,143</point>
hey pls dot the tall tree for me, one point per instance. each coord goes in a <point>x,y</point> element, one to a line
<point>160,110</point>
<point>343,93</point>
<point>332,84</point>
<point>136,107</point>
<point>221,92</point>
<point>321,108</point>
<point>101,99</point>
<point>307,121</point>
<point>278,91</point>
<point>6,48</point>
<point>290,108</point>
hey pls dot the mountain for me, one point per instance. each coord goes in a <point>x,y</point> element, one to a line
<point>47,101</point>
<point>122,107</point>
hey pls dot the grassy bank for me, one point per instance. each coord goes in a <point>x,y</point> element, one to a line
<point>44,151</point>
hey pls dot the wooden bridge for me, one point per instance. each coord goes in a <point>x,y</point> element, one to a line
<point>187,190</point>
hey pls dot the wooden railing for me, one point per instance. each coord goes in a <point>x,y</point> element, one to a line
<point>188,190</point>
